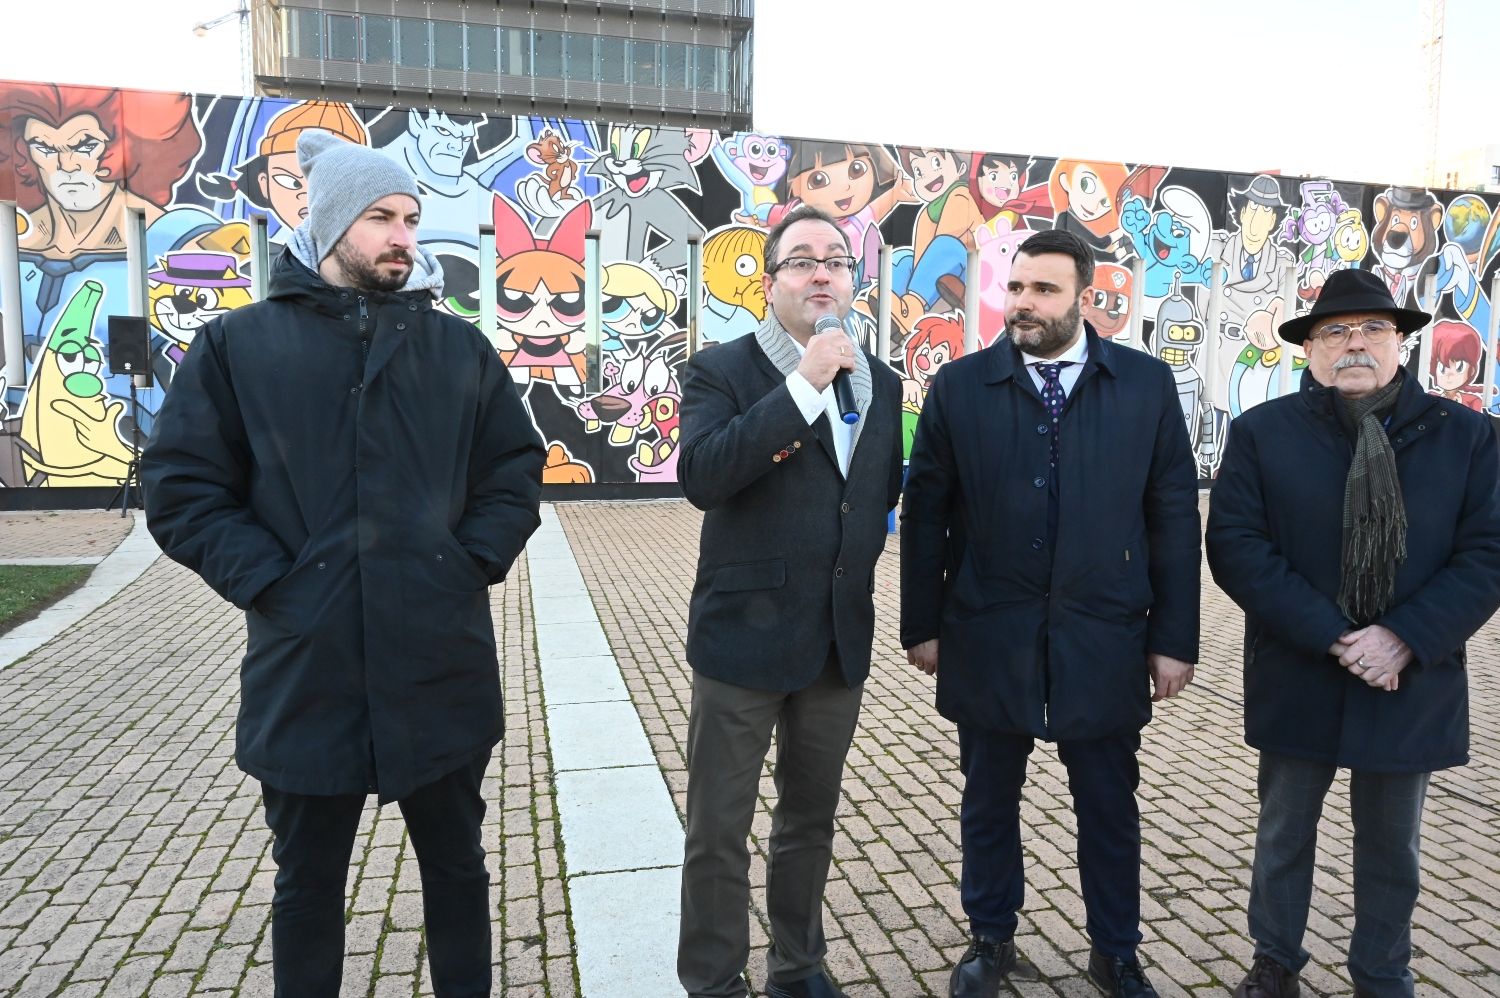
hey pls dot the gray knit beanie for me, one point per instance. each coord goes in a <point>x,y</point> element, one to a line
<point>343,179</point>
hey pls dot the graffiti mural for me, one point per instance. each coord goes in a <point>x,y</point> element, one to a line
<point>1223,258</point>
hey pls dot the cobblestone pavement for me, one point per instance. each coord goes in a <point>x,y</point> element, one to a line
<point>134,861</point>
<point>61,533</point>
<point>893,916</point>
<point>133,856</point>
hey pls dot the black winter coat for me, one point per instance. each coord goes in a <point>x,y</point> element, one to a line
<point>1275,532</point>
<point>354,471</point>
<point>1052,647</point>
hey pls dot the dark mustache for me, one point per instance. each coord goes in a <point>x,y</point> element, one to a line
<point>395,256</point>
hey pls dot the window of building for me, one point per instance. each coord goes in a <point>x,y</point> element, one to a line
<point>547,54</point>
<point>484,53</point>
<point>307,34</point>
<point>416,50</point>
<point>447,45</point>
<point>379,47</point>
<point>515,50</point>
<point>343,37</point>
<point>611,59</point>
<point>578,57</point>
<point>675,59</point>
<point>644,58</point>
<point>1495,174</point>
<point>708,70</point>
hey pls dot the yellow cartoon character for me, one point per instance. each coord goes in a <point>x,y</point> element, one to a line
<point>733,262</point>
<point>637,304</point>
<point>188,289</point>
<point>68,422</point>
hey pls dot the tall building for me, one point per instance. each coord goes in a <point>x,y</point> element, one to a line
<point>680,62</point>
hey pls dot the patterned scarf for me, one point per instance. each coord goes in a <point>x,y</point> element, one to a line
<point>778,345</point>
<point>1374,511</point>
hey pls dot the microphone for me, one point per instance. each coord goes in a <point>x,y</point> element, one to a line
<point>843,388</point>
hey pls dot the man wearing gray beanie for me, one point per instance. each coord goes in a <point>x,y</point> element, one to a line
<point>354,470</point>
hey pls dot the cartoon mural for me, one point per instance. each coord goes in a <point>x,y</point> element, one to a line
<point>76,160</point>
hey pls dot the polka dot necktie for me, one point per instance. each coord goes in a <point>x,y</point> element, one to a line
<point>1052,395</point>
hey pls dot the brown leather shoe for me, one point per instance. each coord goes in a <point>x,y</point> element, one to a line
<point>1269,979</point>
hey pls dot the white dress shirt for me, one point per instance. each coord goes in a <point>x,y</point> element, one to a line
<point>1075,357</point>
<point>813,403</point>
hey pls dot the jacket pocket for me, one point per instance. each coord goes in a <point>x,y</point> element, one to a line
<point>750,576</point>
<point>470,575</point>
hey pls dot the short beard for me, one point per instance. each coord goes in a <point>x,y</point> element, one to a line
<point>1052,337</point>
<point>364,275</point>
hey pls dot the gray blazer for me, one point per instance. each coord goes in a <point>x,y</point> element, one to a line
<point>786,560</point>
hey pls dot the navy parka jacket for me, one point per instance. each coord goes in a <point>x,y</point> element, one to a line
<point>1040,636</point>
<point>1275,533</point>
<point>354,471</point>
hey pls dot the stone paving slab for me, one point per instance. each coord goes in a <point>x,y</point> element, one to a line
<point>62,534</point>
<point>893,916</point>
<point>134,860</point>
<point>133,856</point>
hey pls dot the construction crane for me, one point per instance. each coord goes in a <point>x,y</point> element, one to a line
<point>1434,13</point>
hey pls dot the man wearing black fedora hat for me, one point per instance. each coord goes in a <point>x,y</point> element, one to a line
<point>1356,522</point>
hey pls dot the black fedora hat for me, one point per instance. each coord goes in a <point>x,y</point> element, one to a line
<point>1348,291</point>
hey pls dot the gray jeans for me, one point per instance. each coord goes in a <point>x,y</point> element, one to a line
<point>1387,813</point>
<point>729,731</point>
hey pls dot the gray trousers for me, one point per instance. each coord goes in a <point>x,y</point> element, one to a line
<point>729,732</point>
<point>1387,813</point>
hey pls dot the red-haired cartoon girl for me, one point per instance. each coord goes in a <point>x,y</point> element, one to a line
<point>539,297</point>
<point>1456,352</point>
<point>1085,196</point>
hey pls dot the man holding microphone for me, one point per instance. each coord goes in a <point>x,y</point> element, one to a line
<point>782,613</point>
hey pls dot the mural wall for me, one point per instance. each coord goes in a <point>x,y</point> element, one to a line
<point>73,159</point>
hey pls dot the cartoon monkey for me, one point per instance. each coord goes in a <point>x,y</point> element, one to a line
<point>555,157</point>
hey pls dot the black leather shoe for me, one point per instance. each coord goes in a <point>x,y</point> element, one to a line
<point>1269,979</point>
<point>816,986</point>
<point>985,964</point>
<point>1119,978</point>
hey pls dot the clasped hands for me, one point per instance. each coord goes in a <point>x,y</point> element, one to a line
<point>1373,654</point>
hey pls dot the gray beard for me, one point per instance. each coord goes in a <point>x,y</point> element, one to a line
<point>1052,337</point>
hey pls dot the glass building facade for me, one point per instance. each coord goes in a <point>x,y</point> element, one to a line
<point>685,62</point>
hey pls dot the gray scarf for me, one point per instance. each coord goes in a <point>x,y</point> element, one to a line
<point>778,345</point>
<point>1374,511</point>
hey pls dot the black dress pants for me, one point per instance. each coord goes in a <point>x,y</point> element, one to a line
<point>314,836</point>
<point>1103,776</point>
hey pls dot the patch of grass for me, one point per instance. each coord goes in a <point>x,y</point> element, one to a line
<point>27,590</point>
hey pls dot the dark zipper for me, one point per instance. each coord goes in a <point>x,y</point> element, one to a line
<point>364,338</point>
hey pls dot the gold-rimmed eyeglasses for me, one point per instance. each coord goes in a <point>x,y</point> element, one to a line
<point>1374,331</point>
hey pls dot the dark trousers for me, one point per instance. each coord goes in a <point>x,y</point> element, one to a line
<point>1102,776</point>
<point>1387,813</point>
<point>729,731</point>
<point>314,836</point>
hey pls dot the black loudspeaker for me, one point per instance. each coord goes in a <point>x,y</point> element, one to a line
<point>130,346</point>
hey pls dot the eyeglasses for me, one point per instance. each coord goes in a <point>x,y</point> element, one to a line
<point>1374,331</point>
<point>806,266</point>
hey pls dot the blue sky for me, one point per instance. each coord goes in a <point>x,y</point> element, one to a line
<point>1329,87</point>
